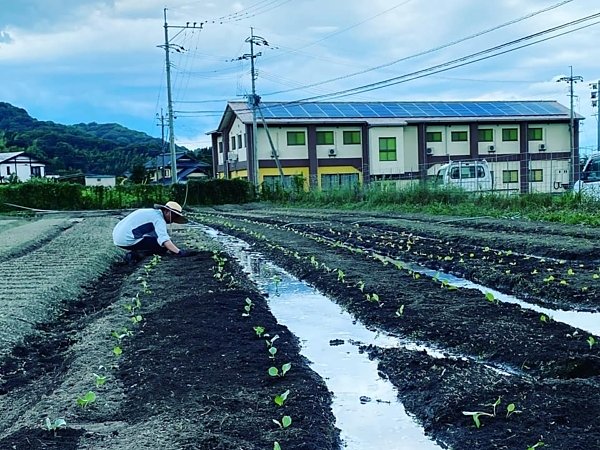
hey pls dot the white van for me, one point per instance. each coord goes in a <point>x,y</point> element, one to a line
<point>468,175</point>
<point>589,178</point>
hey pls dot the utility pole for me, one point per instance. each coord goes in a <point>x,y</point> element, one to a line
<point>571,80</point>
<point>161,118</point>
<point>167,46</point>
<point>596,104</point>
<point>253,99</point>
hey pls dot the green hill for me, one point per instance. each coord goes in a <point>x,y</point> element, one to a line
<point>89,148</point>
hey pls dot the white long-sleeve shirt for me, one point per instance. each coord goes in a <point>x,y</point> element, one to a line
<point>140,224</point>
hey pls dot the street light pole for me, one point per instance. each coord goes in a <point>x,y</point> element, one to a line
<point>596,104</point>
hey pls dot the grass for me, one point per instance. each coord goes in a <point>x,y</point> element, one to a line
<point>567,208</point>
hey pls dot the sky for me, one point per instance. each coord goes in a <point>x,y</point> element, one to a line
<point>74,61</point>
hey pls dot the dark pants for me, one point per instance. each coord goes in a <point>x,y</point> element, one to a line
<point>147,246</point>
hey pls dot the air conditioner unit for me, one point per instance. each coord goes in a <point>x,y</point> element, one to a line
<point>491,148</point>
<point>542,147</point>
<point>429,151</point>
<point>332,152</point>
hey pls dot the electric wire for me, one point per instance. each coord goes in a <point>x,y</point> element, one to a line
<point>431,50</point>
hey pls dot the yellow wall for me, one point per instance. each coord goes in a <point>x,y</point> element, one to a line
<point>293,171</point>
<point>239,174</point>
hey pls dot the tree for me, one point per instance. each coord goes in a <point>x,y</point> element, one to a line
<point>139,174</point>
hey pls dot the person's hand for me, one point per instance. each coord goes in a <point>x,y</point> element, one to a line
<point>182,253</point>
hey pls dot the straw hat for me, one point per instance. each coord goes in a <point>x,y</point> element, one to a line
<point>175,209</point>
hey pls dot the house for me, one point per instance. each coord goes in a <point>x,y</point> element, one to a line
<point>188,168</point>
<point>527,144</point>
<point>21,165</point>
<point>90,179</point>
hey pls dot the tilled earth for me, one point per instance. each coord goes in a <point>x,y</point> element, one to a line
<point>526,378</point>
<point>164,347</point>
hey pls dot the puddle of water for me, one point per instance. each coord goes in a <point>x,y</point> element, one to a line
<point>587,321</point>
<point>365,405</point>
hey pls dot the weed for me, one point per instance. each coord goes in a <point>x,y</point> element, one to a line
<point>286,421</point>
<point>281,398</point>
<point>87,399</point>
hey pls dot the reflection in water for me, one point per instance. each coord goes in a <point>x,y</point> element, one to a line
<point>366,407</point>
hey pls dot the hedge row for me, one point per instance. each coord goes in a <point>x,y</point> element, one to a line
<point>48,194</point>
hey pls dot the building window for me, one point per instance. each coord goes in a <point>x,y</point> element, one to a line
<point>486,135</point>
<point>536,175</point>
<point>387,149</point>
<point>36,171</point>
<point>239,141</point>
<point>535,134</point>
<point>220,147</point>
<point>232,142</point>
<point>296,138</point>
<point>324,137</point>
<point>459,136</point>
<point>510,176</point>
<point>351,137</point>
<point>510,134</point>
<point>433,136</point>
<point>338,181</point>
<point>8,171</point>
<point>245,140</point>
<point>273,182</point>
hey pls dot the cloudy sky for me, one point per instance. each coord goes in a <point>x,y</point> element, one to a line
<point>72,61</point>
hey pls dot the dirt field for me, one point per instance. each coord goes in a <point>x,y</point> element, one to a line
<point>193,374</point>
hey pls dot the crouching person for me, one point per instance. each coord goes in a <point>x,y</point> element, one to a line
<point>144,232</point>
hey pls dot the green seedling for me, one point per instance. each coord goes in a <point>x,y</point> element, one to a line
<point>361,286</point>
<point>511,409</point>
<point>544,318</point>
<point>476,415</point>
<point>535,446</point>
<point>55,425</point>
<point>276,446</point>
<point>341,276</point>
<point>591,341</point>
<point>490,298</point>
<point>136,319</point>
<point>570,272</point>
<point>118,351</point>
<point>274,371</point>
<point>400,311</point>
<point>286,421</point>
<point>87,399</point>
<point>269,342</point>
<point>119,335</point>
<point>281,398</point>
<point>100,379</point>
<point>272,352</point>
<point>549,279</point>
<point>259,330</point>
<point>247,307</point>
<point>595,276</point>
<point>372,297</point>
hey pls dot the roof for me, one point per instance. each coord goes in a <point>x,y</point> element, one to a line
<point>164,160</point>
<point>7,156</point>
<point>397,112</point>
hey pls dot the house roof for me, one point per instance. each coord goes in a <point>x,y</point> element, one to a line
<point>165,160</point>
<point>398,113</point>
<point>7,156</point>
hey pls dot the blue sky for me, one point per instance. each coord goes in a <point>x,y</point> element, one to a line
<point>72,61</point>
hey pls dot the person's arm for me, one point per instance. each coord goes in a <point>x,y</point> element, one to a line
<point>171,247</point>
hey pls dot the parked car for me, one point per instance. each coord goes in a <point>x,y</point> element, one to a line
<point>467,175</point>
<point>589,178</point>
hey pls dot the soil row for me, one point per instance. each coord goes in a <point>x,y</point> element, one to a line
<point>501,351</point>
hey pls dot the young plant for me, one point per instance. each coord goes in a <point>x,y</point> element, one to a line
<point>341,275</point>
<point>490,298</point>
<point>259,330</point>
<point>247,307</point>
<point>286,421</point>
<point>136,319</point>
<point>117,351</point>
<point>361,286</point>
<point>119,335</point>
<point>535,446</point>
<point>281,398</point>
<point>86,399</point>
<point>591,341</point>
<point>99,379</point>
<point>272,352</point>
<point>55,425</point>
<point>400,311</point>
<point>511,409</point>
<point>274,371</point>
<point>276,446</point>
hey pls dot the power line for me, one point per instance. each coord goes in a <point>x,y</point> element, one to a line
<point>425,52</point>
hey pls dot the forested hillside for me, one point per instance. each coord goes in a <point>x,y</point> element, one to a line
<point>90,148</point>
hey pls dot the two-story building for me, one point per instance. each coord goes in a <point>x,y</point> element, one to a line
<point>526,143</point>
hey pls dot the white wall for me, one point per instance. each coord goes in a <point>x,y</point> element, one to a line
<point>22,166</point>
<point>100,181</point>
<point>386,167</point>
